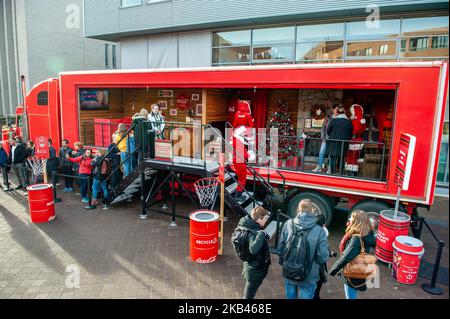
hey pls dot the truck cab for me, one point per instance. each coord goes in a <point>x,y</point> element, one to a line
<point>42,112</point>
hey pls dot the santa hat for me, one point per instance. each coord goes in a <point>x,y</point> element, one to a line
<point>358,113</point>
<point>244,107</point>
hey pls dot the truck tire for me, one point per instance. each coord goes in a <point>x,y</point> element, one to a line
<point>320,202</point>
<point>372,208</point>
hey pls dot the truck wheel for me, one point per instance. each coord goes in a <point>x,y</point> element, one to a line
<point>321,204</point>
<point>372,208</point>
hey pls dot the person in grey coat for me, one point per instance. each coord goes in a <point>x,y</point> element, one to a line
<point>318,247</point>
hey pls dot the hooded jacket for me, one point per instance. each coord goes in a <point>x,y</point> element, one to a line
<point>256,270</point>
<point>317,243</point>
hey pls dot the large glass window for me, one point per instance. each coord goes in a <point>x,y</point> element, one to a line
<point>330,51</point>
<point>415,38</point>
<point>129,3</point>
<point>371,49</point>
<point>233,38</point>
<point>281,35</point>
<point>428,26</point>
<point>363,30</point>
<point>231,55</point>
<point>320,32</point>
<point>273,53</point>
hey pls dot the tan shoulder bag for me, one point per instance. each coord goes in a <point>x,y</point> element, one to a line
<point>362,266</point>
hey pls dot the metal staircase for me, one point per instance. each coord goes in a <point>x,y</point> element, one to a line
<point>231,184</point>
<point>147,172</point>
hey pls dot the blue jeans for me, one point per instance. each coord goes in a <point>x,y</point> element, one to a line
<point>292,291</point>
<point>83,185</point>
<point>322,153</point>
<point>125,164</point>
<point>350,292</point>
<point>96,185</point>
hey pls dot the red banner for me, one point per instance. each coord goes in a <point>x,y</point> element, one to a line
<point>41,147</point>
<point>404,160</point>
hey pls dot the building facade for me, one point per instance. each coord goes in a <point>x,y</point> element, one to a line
<point>203,33</point>
<point>39,39</point>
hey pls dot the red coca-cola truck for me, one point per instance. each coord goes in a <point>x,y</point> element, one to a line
<point>402,97</point>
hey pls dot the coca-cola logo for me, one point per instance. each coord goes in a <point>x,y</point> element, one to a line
<point>206,242</point>
<point>205,261</point>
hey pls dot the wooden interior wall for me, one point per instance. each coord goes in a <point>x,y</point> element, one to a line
<point>115,111</point>
<point>291,98</point>
<point>216,105</point>
<point>136,99</point>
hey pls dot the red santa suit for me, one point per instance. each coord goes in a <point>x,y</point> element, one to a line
<point>240,157</point>
<point>243,115</point>
<point>355,147</point>
<point>243,121</point>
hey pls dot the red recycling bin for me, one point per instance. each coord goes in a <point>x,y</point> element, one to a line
<point>204,236</point>
<point>408,252</point>
<point>388,229</point>
<point>41,203</point>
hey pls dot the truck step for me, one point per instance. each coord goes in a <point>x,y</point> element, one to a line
<point>121,198</point>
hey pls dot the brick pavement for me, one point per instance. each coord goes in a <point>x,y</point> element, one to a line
<point>120,256</point>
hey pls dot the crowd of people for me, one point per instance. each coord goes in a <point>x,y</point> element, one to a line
<point>79,164</point>
<point>303,251</point>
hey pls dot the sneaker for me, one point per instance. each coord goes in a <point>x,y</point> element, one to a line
<point>77,193</point>
<point>85,200</point>
<point>66,190</point>
<point>105,207</point>
<point>70,189</point>
<point>317,169</point>
<point>18,187</point>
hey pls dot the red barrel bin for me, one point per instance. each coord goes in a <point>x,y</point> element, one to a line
<point>408,252</point>
<point>204,236</point>
<point>388,229</point>
<point>41,203</point>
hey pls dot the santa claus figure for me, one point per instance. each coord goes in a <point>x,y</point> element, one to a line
<point>355,147</point>
<point>243,115</point>
<point>243,139</point>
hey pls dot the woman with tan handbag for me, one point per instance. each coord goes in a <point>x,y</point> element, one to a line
<point>354,261</point>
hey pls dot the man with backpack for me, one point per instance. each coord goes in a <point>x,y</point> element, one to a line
<point>303,248</point>
<point>251,244</point>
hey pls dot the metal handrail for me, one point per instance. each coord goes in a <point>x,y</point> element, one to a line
<point>228,124</point>
<point>253,171</point>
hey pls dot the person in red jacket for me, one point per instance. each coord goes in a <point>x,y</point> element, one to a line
<point>84,171</point>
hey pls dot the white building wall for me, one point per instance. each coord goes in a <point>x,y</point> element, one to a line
<point>191,49</point>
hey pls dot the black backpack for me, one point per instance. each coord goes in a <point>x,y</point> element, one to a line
<point>240,242</point>
<point>296,259</point>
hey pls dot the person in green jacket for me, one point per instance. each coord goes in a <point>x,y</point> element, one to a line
<point>358,227</point>
<point>256,270</point>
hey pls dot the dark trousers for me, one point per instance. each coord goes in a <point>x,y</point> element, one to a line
<point>5,176</point>
<point>84,185</point>
<point>67,170</point>
<point>251,288</point>
<point>21,171</point>
<point>116,178</point>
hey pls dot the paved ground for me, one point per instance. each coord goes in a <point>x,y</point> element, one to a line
<point>119,256</point>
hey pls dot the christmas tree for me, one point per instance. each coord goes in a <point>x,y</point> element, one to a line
<point>281,120</point>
